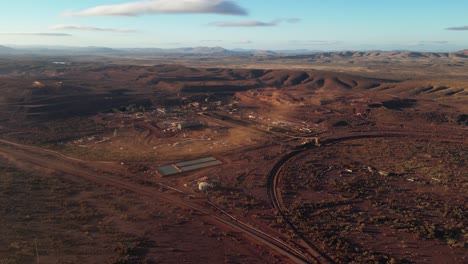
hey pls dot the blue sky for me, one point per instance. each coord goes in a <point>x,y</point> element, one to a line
<point>251,24</point>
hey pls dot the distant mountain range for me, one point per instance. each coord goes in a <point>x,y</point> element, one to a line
<point>299,54</point>
<point>381,54</point>
<point>109,51</point>
<point>188,50</point>
<point>5,49</point>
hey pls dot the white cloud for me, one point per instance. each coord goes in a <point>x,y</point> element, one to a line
<point>293,20</point>
<point>89,28</point>
<point>316,42</point>
<point>244,42</point>
<point>251,23</point>
<point>437,42</point>
<point>143,7</point>
<point>35,34</point>
<point>425,43</point>
<point>254,23</point>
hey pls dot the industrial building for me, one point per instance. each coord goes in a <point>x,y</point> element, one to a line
<point>204,186</point>
<point>188,125</point>
<point>189,165</point>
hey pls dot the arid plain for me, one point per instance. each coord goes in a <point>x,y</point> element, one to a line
<point>336,157</point>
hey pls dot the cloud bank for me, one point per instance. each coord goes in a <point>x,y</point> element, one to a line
<point>437,42</point>
<point>211,40</point>
<point>425,43</point>
<point>144,7</point>
<point>35,34</point>
<point>89,28</point>
<point>457,28</point>
<point>316,42</point>
<point>251,23</point>
<point>254,23</point>
<point>244,42</point>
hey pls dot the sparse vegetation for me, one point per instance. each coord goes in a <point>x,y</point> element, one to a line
<point>363,205</point>
<point>396,197</point>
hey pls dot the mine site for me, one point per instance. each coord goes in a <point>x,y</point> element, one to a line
<point>314,151</point>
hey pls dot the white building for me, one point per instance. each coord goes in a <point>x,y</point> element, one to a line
<point>204,186</point>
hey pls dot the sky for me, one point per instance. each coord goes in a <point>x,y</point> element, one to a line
<point>426,25</point>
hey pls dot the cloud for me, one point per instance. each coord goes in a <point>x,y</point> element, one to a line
<point>35,34</point>
<point>425,43</point>
<point>244,42</point>
<point>254,23</point>
<point>144,7</point>
<point>438,42</point>
<point>316,42</point>
<point>88,28</point>
<point>293,20</point>
<point>458,28</point>
<point>211,40</point>
<point>251,23</point>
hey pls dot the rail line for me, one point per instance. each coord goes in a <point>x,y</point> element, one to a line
<point>31,155</point>
<point>272,189</point>
<point>274,177</point>
<point>58,161</point>
<point>286,245</point>
<point>275,198</point>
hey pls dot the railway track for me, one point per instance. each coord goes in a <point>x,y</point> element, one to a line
<point>272,189</point>
<point>80,168</point>
<point>51,160</point>
<point>276,200</point>
<point>275,173</point>
<point>249,227</point>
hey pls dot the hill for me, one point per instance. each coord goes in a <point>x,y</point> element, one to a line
<point>5,49</point>
<point>302,54</point>
<point>93,84</point>
<point>379,55</point>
